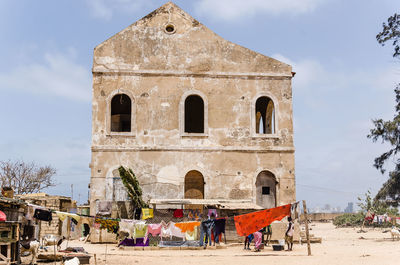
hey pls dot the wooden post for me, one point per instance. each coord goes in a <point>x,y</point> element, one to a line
<point>307,231</point>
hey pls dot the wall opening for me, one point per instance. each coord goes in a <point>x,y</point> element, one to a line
<point>121,108</point>
<point>119,190</point>
<point>266,190</point>
<point>194,114</point>
<point>194,185</point>
<point>265,116</point>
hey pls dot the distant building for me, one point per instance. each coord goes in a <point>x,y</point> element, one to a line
<point>349,208</point>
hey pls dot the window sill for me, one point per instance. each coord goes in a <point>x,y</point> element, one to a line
<point>266,136</point>
<point>120,134</point>
<point>199,135</point>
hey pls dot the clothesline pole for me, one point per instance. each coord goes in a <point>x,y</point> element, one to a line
<point>307,231</point>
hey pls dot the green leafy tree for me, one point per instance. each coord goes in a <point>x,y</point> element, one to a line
<point>132,186</point>
<point>389,131</point>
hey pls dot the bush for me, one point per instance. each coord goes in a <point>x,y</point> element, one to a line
<point>349,219</point>
<point>356,219</point>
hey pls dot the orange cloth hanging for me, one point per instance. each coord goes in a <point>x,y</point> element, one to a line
<point>247,224</point>
<point>188,226</point>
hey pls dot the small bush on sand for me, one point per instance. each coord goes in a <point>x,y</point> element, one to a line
<point>349,219</point>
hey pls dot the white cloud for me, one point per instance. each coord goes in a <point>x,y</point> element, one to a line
<point>105,9</point>
<point>59,75</point>
<point>233,9</point>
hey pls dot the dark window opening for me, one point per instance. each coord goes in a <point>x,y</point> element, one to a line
<point>265,191</point>
<point>194,114</point>
<point>265,116</point>
<point>121,113</point>
<point>170,28</point>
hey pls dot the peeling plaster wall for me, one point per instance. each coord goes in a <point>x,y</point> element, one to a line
<point>156,70</point>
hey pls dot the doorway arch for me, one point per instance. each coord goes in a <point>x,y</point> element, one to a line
<point>266,189</point>
<point>194,185</point>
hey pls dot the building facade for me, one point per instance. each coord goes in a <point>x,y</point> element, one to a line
<point>193,115</point>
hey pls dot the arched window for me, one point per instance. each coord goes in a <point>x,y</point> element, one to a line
<point>121,108</point>
<point>265,116</point>
<point>194,114</point>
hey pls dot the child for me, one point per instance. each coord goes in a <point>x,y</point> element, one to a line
<point>289,234</point>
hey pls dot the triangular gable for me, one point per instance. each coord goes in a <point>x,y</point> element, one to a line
<point>147,45</point>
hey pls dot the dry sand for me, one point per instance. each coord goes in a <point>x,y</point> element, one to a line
<point>339,246</point>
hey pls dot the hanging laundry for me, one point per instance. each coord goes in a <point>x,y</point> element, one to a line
<point>205,231</point>
<point>109,224</point>
<point>295,210</point>
<point>147,213</point>
<point>219,228</point>
<point>187,226</point>
<point>129,226</point>
<point>212,212</point>
<point>138,213</point>
<point>192,235</point>
<point>30,212</point>
<point>375,219</point>
<point>74,221</point>
<point>178,213</point>
<point>153,229</point>
<point>139,242</point>
<point>140,230</point>
<point>194,214</point>
<point>63,215</point>
<point>3,216</point>
<point>169,229</point>
<point>43,215</point>
<point>103,207</point>
<point>247,224</point>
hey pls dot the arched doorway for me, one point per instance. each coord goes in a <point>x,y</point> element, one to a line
<point>194,185</point>
<point>266,190</point>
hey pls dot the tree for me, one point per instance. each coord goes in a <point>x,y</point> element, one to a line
<point>25,177</point>
<point>133,187</point>
<point>389,131</point>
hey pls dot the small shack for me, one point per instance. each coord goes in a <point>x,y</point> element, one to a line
<point>10,230</point>
<point>56,203</point>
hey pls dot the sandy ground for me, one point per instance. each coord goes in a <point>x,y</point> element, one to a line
<point>339,246</point>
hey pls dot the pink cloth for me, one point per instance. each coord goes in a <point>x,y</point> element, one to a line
<point>153,229</point>
<point>257,239</point>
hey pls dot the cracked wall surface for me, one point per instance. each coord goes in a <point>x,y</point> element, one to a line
<point>157,70</point>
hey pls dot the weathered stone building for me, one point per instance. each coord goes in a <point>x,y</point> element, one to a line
<point>193,115</point>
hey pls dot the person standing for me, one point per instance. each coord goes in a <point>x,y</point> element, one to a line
<point>257,240</point>
<point>268,233</point>
<point>289,234</point>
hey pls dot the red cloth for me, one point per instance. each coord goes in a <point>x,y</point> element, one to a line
<point>178,213</point>
<point>247,224</point>
<point>3,216</point>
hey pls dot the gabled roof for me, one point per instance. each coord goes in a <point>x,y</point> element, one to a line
<point>146,45</point>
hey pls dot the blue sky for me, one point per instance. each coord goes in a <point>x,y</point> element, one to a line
<point>344,79</point>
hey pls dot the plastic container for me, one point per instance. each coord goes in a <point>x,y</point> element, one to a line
<point>277,247</point>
